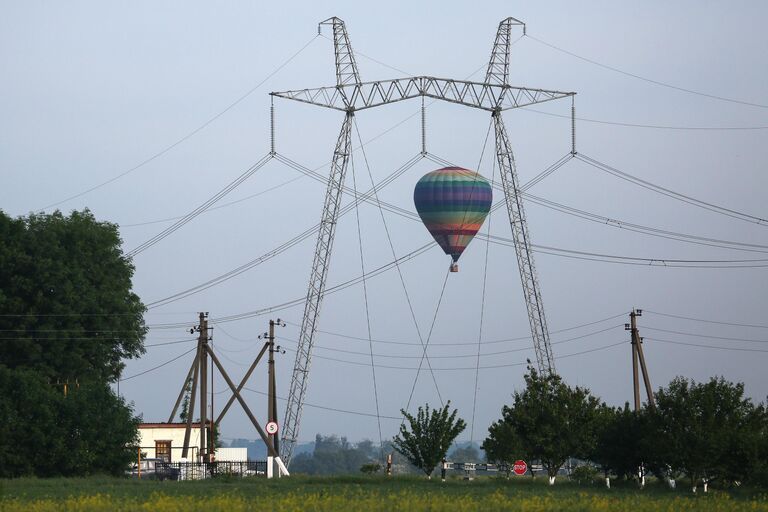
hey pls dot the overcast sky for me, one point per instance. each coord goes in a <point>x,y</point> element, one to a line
<point>90,90</point>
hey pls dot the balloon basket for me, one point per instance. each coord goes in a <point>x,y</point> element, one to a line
<point>454,267</point>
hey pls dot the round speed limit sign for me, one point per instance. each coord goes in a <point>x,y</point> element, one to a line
<point>272,428</point>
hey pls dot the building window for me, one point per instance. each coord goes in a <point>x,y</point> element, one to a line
<point>163,450</point>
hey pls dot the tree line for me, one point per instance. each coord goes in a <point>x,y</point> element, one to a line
<point>707,432</point>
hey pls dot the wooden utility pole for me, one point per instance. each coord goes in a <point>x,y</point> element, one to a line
<point>203,385</point>
<point>638,357</point>
<point>272,401</point>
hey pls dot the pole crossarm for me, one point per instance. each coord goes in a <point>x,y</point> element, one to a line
<point>482,95</point>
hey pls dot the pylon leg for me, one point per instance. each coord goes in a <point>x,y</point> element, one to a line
<point>521,237</point>
<point>317,279</point>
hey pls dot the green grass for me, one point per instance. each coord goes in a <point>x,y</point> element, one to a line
<point>356,493</point>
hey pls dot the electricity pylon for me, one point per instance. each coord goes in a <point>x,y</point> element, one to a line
<point>350,94</point>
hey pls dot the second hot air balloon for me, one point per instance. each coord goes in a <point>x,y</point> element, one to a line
<point>453,203</point>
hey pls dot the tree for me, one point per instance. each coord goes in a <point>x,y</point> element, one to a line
<point>708,430</point>
<point>65,294</point>
<point>503,446</point>
<point>47,434</point>
<point>65,291</point>
<point>549,421</point>
<point>622,436</point>
<point>431,434</point>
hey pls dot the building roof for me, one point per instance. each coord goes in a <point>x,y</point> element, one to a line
<point>169,425</point>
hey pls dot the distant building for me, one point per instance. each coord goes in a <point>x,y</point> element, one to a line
<point>166,441</point>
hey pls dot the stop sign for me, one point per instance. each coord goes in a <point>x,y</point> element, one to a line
<point>520,467</point>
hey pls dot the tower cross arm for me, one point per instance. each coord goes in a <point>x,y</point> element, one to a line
<point>485,96</point>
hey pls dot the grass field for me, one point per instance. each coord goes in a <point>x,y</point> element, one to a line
<point>356,493</point>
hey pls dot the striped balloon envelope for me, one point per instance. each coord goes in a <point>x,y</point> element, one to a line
<point>453,203</point>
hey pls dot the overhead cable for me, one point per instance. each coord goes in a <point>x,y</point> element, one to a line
<point>671,193</point>
<point>189,134</point>
<point>707,320</point>
<point>645,79</point>
<point>204,206</point>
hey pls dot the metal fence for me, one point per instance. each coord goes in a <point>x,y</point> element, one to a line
<point>201,470</point>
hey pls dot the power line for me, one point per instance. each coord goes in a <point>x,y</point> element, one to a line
<point>279,185</point>
<point>696,335</point>
<point>158,366</point>
<point>717,347</point>
<point>188,135</point>
<point>618,223</point>
<point>645,79</point>
<point>660,263</point>
<point>651,126</point>
<point>170,343</point>
<point>542,202</point>
<point>464,343</point>
<point>709,321</point>
<point>283,247</point>
<point>397,266</point>
<point>365,298</point>
<point>200,209</point>
<point>213,208</point>
<point>461,356</point>
<point>334,409</point>
<point>607,258</point>
<point>341,286</point>
<point>91,338</point>
<point>458,368</point>
<point>670,193</point>
<point>639,228</point>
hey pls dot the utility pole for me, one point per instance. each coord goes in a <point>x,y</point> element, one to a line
<point>638,357</point>
<point>274,439</point>
<point>203,340</point>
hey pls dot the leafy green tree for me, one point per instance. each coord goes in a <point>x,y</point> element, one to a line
<point>503,445</point>
<point>708,430</point>
<point>622,436</point>
<point>65,291</point>
<point>65,294</point>
<point>30,409</point>
<point>47,434</point>
<point>431,434</point>
<point>549,421</point>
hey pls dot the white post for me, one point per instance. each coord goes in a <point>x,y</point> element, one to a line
<point>282,470</point>
<point>270,465</point>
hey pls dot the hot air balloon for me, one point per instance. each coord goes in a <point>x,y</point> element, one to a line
<point>453,203</point>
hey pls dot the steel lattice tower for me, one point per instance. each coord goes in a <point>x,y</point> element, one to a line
<point>350,95</point>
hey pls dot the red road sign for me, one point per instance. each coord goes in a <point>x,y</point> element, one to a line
<point>271,428</point>
<point>520,467</point>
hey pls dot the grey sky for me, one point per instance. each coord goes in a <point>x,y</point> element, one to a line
<point>90,89</point>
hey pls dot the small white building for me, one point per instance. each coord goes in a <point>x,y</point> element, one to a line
<point>166,441</point>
